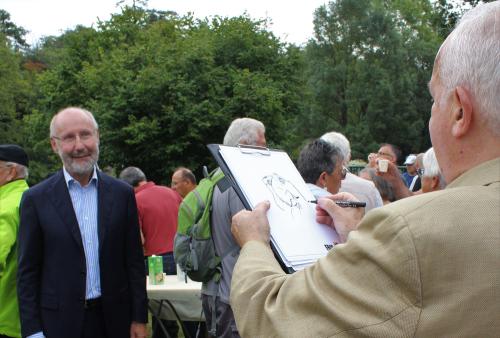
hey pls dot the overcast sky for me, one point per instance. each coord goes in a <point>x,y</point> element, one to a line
<point>291,19</point>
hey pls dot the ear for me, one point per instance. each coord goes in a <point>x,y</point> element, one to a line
<point>462,113</point>
<point>321,180</point>
<point>12,173</point>
<point>435,183</point>
<point>53,145</point>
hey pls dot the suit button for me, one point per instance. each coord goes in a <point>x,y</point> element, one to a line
<point>83,273</point>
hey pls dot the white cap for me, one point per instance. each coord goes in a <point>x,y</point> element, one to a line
<point>410,159</point>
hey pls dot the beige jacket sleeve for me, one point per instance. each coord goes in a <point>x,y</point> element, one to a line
<point>368,286</point>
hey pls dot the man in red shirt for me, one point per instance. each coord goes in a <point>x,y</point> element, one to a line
<point>158,207</point>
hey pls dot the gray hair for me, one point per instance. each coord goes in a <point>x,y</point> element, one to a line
<point>339,141</point>
<point>384,188</point>
<point>86,112</point>
<point>316,157</point>
<point>431,167</point>
<point>419,160</point>
<point>243,130</point>
<point>469,57</point>
<point>21,170</point>
<point>133,176</point>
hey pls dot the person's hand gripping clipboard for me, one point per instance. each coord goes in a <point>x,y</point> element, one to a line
<point>258,174</point>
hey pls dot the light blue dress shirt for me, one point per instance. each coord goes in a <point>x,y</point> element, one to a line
<point>84,200</point>
<point>317,191</point>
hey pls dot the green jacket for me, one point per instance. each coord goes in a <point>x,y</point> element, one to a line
<point>10,196</point>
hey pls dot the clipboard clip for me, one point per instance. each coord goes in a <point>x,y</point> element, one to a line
<point>247,149</point>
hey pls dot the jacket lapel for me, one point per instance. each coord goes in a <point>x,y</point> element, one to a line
<point>104,206</point>
<point>64,207</point>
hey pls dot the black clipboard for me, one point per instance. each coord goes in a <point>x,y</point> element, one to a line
<point>214,150</point>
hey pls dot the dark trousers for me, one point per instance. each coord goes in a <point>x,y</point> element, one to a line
<point>226,324</point>
<point>93,322</point>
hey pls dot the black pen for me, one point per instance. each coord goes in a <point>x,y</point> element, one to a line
<point>346,204</point>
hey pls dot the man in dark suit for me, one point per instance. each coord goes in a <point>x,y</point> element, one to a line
<point>81,267</point>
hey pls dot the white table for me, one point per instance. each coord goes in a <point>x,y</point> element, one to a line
<point>183,300</point>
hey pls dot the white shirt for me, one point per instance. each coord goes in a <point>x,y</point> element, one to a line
<point>364,190</point>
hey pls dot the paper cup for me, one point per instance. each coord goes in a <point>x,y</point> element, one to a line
<point>383,165</point>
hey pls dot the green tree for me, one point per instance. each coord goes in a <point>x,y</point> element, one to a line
<point>163,86</point>
<point>14,33</point>
<point>367,69</point>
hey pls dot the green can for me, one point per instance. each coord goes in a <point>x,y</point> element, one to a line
<point>155,268</point>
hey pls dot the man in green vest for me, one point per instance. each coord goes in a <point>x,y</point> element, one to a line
<point>13,175</point>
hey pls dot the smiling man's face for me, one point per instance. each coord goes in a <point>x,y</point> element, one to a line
<point>76,141</point>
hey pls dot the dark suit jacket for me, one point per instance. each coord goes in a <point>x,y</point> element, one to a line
<point>52,269</point>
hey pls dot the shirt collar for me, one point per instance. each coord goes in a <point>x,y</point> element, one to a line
<point>68,178</point>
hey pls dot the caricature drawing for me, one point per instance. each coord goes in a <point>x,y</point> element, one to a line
<point>285,194</point>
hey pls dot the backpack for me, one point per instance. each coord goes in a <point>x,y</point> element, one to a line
<point>194,249</point>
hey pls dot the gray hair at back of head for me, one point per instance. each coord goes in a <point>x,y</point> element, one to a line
<point>419,160</point>
<point>470,58</point>
<point>133,176</point>
<point>88,113</point>
<point>339,141</point>
<point>384,187</point>
<point>431,167</point>
<point>243,130</point>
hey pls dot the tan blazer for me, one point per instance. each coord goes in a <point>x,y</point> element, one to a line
<point>425,266</point>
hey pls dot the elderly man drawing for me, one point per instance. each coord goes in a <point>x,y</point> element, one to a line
<point>424,266</point>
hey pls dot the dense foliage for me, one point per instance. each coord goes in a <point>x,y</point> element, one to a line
<point>163,86</point>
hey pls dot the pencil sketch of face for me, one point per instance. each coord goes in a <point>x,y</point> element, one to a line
<point>286,196</point>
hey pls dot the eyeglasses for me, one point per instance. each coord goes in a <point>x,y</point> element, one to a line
<point>420,171</point>
<point>70,139</point>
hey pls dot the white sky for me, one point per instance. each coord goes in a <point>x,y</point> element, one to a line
<point>291,19</point>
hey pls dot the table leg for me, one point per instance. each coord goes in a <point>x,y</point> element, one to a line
<point>158,320</point>
<point>184,330</point>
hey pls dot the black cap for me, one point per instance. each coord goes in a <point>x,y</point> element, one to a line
<point>13,153</point>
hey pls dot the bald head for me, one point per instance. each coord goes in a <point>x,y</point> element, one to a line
<point>68,112</point>
<point>183,181</point>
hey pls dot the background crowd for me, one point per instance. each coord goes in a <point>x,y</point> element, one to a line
<point>73,246</point>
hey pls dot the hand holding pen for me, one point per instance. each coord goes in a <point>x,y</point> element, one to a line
<point>345,217</point>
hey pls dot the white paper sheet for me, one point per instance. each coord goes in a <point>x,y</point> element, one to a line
<point>294,231</point>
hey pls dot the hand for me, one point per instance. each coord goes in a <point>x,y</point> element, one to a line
<point>393,176</point>
<point>372,160</point>
<point>251,225</point>
<point>343,220</point>
<point>138,330</point>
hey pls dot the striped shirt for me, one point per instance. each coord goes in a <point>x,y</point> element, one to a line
<point>84,201</point>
